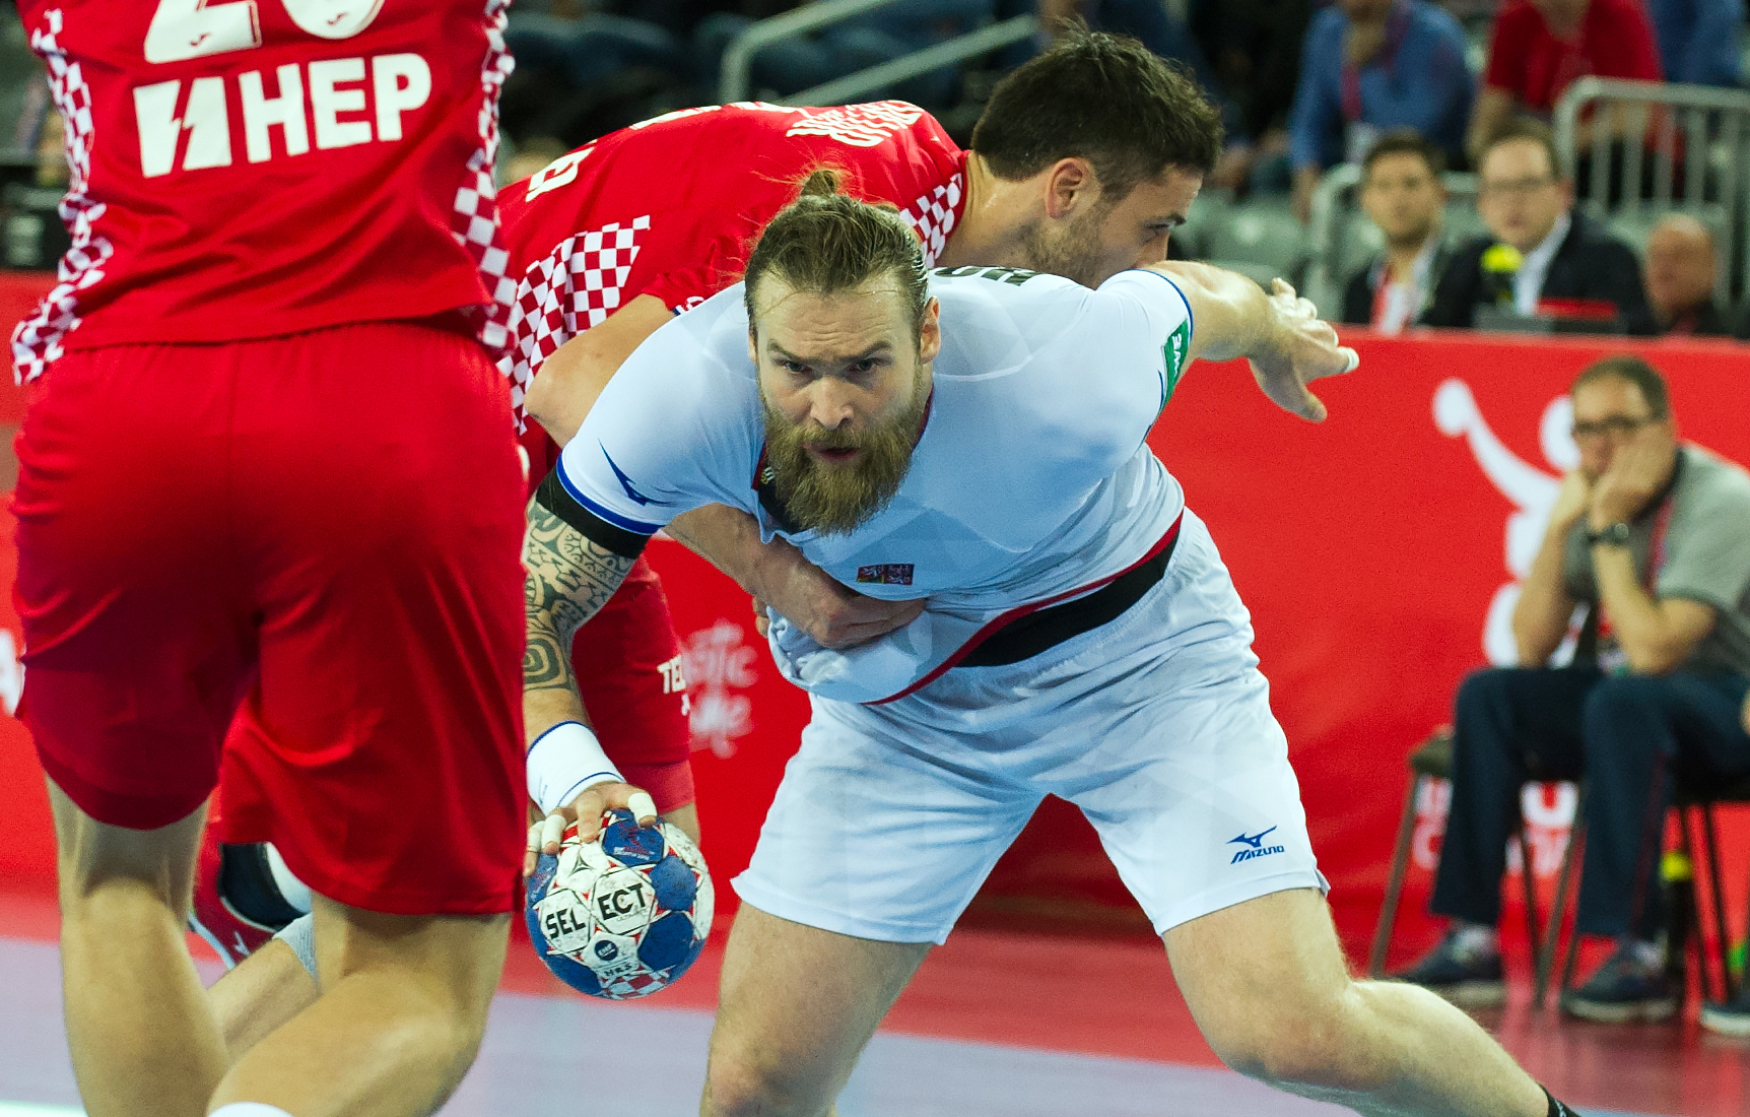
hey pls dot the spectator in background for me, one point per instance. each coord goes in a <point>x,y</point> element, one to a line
<point>1543,256</point>
<point>1402,194</point>
<point>1540,46</point>
<point>1253,49</point>
<point>1653,536</point>
<point>1682,266</point>
<point>1369,66</point>
<point>1698,40</point>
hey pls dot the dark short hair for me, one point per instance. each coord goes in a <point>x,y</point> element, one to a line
<point>1404,141</point>
<point>1634,370</point>
<point>1103,98</point>
<point>1525,128</point>
<point>826,242</point>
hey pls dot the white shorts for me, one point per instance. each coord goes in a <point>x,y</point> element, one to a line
<point>1157,725</point>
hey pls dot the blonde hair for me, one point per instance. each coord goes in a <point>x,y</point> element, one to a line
<point>826,242</point>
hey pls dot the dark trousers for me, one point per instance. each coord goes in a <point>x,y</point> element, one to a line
<point>1628,735</point>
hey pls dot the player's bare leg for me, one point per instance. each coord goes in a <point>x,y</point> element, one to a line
<point>796,1008</point>
<point>402,1008</point>
<point>262,992</point>
<point>143,1040</point>
<point>1268,985</point>
<point>272,985</point>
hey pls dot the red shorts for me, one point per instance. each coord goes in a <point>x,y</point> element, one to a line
<point>321,529</point>
<point>628,664</point>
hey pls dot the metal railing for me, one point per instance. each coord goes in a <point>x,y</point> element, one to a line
<point>736,79</point>
<point>1680,148</point>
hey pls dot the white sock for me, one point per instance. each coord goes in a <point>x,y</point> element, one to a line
<point>248,1109</point>
<point>300,935</point>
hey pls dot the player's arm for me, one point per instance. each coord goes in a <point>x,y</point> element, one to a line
<point>569,577</point>
<point>1278,332</point>
<point>572,378</point>
<point>775,573</point>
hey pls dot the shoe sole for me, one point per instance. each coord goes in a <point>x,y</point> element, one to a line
<point>1647,1012</point>
<point>1726,1023</point>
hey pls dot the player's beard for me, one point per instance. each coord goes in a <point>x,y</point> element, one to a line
<point>838,499</point>
<point>1074,253</point>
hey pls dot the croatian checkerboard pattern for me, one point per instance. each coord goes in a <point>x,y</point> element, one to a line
<point>574,287</point>
<point>37,340</point>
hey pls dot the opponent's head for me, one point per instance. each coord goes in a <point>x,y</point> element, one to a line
<point>1619,402</point>
<point>842,329</point>
<point>1096,149</point>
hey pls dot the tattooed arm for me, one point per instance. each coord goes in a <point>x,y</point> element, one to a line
<point>568,579</point>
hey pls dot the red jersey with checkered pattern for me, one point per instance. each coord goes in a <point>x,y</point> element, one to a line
<point>247,168</point>
<point>671,208</point>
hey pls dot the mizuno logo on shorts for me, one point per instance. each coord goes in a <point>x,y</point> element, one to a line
<point>1254,846</point>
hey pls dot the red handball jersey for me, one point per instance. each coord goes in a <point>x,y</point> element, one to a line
<point>247,168</point>
<point>671,208</point>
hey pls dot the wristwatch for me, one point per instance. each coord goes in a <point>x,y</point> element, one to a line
<point>1611,535</point>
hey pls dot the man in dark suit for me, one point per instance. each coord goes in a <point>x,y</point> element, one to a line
<point>1543,257</point>
<point>1682,266</point>
<point>1401,193</point>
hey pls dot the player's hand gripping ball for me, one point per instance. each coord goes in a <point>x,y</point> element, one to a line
<point>623,917</point>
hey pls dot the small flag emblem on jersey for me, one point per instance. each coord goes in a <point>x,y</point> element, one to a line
<point>886,574</point>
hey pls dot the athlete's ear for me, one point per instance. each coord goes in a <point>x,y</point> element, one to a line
<point>1069,183</point>
<point>930,332</point>
<point>753,346</point>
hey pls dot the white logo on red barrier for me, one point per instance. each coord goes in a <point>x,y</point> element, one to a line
<point>11,672</point>
<point>1548,810</point>
<point>718,664</point>
<point>1532,491</point>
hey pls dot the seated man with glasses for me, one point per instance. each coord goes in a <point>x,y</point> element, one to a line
<point>1652,536</point>
<point>1542,257</point>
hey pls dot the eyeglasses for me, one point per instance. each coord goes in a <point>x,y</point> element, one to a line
<point>1616,426</point>
<point>1519,187</point>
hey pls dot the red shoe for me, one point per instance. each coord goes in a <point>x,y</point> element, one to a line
<point>231,935</point>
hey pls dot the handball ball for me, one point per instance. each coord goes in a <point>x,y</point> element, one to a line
<point>622,917</point>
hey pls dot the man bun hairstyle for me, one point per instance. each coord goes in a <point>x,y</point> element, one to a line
<point>1104,98</point>
<point>1634,370</point>
<point>826,242</point>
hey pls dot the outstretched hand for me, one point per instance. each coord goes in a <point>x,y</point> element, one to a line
<point>586,811</point>
<point>1303,348</point>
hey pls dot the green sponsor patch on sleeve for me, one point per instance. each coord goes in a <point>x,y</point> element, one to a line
<point>1174,354</point>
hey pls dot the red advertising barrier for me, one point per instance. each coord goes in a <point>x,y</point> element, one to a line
<point>1377,552</point>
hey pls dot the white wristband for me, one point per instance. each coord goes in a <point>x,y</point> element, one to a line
<point>564,761</point>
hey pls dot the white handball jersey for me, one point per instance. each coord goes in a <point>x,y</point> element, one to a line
<point>1030,483</point>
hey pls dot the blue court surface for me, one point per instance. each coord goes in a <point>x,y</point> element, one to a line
<point>550,1054</point>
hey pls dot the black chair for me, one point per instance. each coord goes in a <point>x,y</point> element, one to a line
<point>1694,799</point>
<point>1432,760</point>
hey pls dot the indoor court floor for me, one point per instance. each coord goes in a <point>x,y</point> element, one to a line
<point>997,1024</point>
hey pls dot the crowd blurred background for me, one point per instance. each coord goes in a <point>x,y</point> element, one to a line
<point>1305,188</point>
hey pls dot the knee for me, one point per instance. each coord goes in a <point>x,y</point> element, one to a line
<point>743,1087</point>
<point>1480,693</point>
<point>1311,1045</point>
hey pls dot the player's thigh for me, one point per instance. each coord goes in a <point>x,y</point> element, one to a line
<point>454,960</point>
<point>385,525</point>
<point>796,1007</point>
<point>137,643</point>
<point>94,854</point>
<point>1265,979</point>
<point>882,828</point>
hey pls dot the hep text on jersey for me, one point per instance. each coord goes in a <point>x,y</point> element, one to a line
<point>336,102</point>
